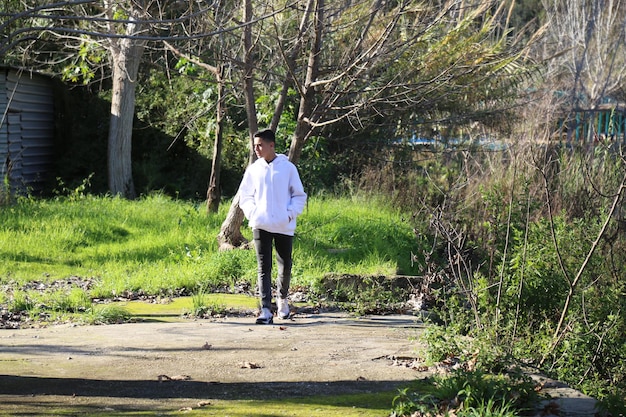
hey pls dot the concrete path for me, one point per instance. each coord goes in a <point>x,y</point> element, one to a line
<point>157,365</point>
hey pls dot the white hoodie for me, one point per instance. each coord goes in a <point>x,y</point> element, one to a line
<point>271,195</point>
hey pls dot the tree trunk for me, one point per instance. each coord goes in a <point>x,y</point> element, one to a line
<point>248,79</point>
<point>230,233</point>
<point>303,128</point>
<point>213,193</point>
<point>230,236</point>
<point>126,54</point>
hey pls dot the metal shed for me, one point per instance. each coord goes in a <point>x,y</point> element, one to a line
<point>26,130</point>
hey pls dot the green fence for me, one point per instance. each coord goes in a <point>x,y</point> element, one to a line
<point>591,126</point>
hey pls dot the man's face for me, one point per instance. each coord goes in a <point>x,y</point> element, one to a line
<point>263,149</point>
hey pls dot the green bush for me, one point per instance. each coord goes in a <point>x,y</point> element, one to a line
<point>203,307</point>
<point>467,393</point>
<point>20,302</point>
<point>72,301</point>
<point>107,314</point>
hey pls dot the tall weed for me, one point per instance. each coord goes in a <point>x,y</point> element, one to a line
<point>506,234</point>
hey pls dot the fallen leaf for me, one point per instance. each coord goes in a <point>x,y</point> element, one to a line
<point>173,378</point>
<point>282,328</point>
<point>181,378</point>
<point>250,365</point>
<point>419,368</point>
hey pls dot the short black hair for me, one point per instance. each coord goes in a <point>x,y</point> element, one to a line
<point>266,134</point>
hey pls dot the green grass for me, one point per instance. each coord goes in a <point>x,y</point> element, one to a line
<point>355,405</point>
<point>361,405</point>
<point>157,245</point>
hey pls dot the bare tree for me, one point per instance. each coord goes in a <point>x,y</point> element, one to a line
<point>355,62</point>
<point>213,194</point>
<point>586,45</point>
<point>377,66</point>
<point>230,235</point>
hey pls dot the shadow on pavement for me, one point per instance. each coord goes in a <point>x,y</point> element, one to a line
<point>32,386</point>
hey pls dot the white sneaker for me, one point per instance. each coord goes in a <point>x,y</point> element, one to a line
<point>283,308</point>
<point>266,317</point>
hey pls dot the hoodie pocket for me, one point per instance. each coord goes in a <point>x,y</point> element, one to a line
<point>284,218</point>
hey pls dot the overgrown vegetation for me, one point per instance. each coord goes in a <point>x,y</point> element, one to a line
<point>468,393</point>
<point>521,252</point>
<point>526,251</point>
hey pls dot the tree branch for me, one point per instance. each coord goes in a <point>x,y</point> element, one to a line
<point>574,283</point>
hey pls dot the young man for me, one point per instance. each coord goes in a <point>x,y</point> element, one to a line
<point>271,197</point>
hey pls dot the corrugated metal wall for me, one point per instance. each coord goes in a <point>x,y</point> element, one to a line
<point>27,130</point>
<point>4,132</point>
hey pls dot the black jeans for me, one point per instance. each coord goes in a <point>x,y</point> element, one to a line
<point>263,242</point>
